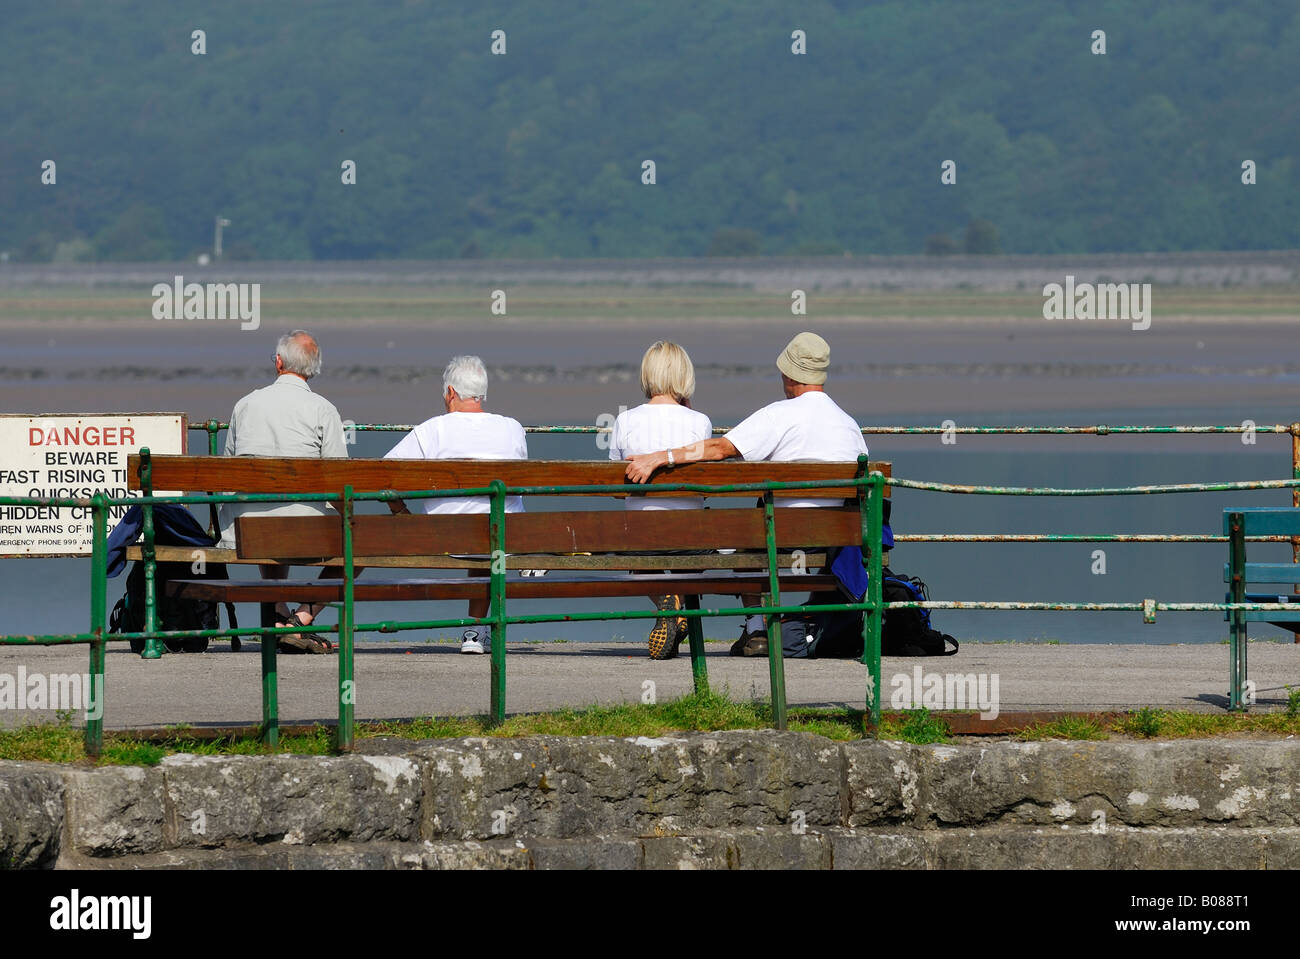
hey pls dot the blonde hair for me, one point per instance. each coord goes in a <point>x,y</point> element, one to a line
<point>666,369</point>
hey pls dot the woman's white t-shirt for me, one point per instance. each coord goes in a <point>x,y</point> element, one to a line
<point>652,427</point>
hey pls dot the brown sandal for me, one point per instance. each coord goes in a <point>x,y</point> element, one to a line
<point>303,642</point>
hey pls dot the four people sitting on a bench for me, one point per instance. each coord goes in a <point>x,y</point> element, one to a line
<point>287,419</point>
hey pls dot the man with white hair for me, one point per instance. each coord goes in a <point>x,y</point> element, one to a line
<point>287,419</point>
<point>465,431</point>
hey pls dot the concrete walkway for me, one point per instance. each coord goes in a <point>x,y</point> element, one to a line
<point>405,680</point>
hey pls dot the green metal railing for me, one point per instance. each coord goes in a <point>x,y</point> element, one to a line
<point>213,428</point>
<point>870,492</point>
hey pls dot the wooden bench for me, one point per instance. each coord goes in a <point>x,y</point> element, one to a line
<point>1238,523</point>
<point>592,552</point>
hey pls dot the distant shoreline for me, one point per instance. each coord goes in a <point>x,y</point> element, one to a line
<point>1010,272</point>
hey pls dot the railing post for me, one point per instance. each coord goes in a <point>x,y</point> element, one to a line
<point>497,540</point>
<point>695,630</point>
<point>775,648</point>
<point>347,683</point>
<point>270,690</point>
<point>1295,499</point>
<point>1237,592</point>
<point>98,625</point>
<point>871,509</point>
<point>213,427</point>
<point>153,647</point>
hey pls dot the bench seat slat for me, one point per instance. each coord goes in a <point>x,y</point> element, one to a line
<point>741,560</point>
<point>595,531</point>
<point>475,587</point>
<point>1266,573</point>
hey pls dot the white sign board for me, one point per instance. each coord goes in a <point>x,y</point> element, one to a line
<point>71,456</point>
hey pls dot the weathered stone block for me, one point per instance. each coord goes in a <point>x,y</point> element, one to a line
<point>558,787</point>
<point>31,814</point>
<point>1164,783</point>
<point>881,782</point>
<point>878,849</point>
<point>114,811</point>
<point>299,800</point>
<point>708,851</point>
<point>598,852</point>
<point>777,847</point>
<point>461,855</point>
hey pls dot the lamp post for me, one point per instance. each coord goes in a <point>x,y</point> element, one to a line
<point>216,239</point>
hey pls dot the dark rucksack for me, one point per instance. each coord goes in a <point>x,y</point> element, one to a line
<point>907,632</point>
<point>173,613</point>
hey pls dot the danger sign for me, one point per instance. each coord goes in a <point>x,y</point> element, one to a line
<point>69,456</point>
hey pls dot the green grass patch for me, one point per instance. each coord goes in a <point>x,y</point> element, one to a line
<point>1146,722</point>
<point>707,712</point>
<point>1067,727</point>
<point>917,726</point>
<point>61,742</point>
<point>1151,723</point>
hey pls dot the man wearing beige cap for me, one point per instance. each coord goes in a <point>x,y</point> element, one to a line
<point>806,425</point>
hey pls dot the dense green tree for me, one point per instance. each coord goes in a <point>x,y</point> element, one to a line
<point>539,152</point>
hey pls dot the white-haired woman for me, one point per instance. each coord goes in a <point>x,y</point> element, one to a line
<point>664,421</point>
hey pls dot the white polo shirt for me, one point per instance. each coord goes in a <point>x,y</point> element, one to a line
<point>808,427</point>
<point>471,436</point>
<point>651,427</point>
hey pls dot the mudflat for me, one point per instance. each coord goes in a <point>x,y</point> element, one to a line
<point>565,354</point>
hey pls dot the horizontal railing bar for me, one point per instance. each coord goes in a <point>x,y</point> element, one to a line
<point>389,626</point>
<point>1076,538</point>
<point>212,426</point>
<point>1094,491</point>
<point>703,488</point>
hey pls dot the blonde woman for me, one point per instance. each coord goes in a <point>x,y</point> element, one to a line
<point>664,421</point>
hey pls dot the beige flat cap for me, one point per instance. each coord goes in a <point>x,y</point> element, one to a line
<point>805,359</point>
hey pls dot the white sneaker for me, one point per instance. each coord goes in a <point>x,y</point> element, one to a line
<point>476,641</point>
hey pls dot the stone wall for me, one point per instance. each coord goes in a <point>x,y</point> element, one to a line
<point>739,799</point>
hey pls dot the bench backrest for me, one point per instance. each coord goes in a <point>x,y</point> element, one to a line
<point>1265,520</point>
<point>252,474</point>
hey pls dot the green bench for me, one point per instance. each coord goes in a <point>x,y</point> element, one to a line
<point>1239,523</point>
<point>590,553</point>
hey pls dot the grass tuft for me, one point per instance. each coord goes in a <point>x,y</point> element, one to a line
<point>1146,722</point>
<point>1067,727</point>
<point>918,727</point>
